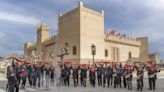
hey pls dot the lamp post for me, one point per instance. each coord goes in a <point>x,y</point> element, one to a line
<point>93,49</point>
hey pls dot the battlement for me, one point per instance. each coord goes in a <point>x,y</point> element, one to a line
<point>118,38</point>
<point>101,13</point>
<point>68,13</point>
<point>49,41</point>
<point>31,45</point>
<point>93,11</point>
<point>42,26</point>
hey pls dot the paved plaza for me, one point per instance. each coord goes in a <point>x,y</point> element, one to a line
<point>160,88</point>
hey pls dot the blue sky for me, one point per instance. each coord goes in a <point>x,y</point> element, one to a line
<point>20,18</point>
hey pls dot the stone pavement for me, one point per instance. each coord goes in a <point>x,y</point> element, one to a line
<point>160,88</point>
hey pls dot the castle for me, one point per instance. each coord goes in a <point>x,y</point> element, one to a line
<point>82,27</point>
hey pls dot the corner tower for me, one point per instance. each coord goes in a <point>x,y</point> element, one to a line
<point>91,32</point>
<point>82,27</point>
<point>42,33</point>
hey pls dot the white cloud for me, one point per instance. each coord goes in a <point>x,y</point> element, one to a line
<point>156,4</point>
<point>18,18</point>
<point>2,35</point>
<point>152,34</point>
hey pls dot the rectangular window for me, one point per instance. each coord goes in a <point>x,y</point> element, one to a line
<point>115,53</point>
<point>130,55</point>
<point>106,53</point>
<point>74,50</point>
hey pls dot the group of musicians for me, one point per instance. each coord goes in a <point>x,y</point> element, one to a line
<point>104,74</point>
<point>109,74</point>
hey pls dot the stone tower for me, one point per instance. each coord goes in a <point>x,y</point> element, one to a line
<point>81,28</point>
<point>42,35</point>
<point>27,45</point>
<point>144,54</point>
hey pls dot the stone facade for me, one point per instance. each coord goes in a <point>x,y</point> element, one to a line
<point>155,57</point>
<point>82,27</point>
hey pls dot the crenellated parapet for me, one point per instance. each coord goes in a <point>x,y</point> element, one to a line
<point>50,40</point>
<point>42,26</point>
<point>30,45</point>
<point>122,39</point>
<point>81,7</point>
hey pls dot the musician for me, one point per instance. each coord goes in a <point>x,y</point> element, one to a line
<point>83,75</point>
<point>28,74</point>
<point>140,75</point>
<point>115,76</point>
<point>23,76</point>
<point>38,74</point>
<point>12,80</point>
<point>105,75</point>
<point>119,73</point>
<point>33,75</point>
<point>129,77</point>
<point>92,75</point>
<point>110,78</point>
<point>66,76</point>
<point>99,74</point>
<point>75,75</point>
<point>62,74</point>
<point>152,71</point>
<point>125,68</point>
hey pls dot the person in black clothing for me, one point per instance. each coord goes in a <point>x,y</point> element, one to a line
<point>38,75</point>
<point>42,73</point>
<point>47,76</point>
<point>105,75</point>
<point>99,74</point>
<point>124,79</point>
<point>33,76</point>
<point>12,80</point>
<point>83,75</point>
<point>18,72</point>
<point>115,76</point>
<point>129,77</point>
<point>75,75</point>
<point>52,72</point>
<point>110,78</point>
<point>92,76</point>
<point>119,77</point>
<point>28,74</point>
<point>152,70</point>
<point>62,74</point>
<point>140,75</point>
<point>66,76</point>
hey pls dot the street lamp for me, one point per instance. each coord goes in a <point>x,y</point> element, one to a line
<point>64,51</point>
<point>66,48</point>
<point>93,49</point>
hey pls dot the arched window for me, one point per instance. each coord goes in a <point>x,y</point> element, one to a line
<point>130,55</point>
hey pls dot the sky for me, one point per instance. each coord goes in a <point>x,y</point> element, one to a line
<point>19,20</point>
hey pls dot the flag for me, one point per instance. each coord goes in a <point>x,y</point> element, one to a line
<point>113,32</point>
<point>118,34</point>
